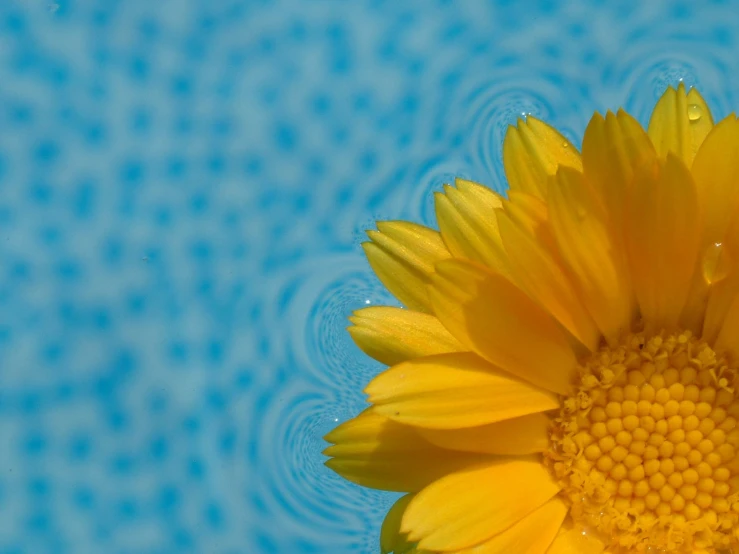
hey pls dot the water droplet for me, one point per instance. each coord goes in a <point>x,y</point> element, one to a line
<point>716,263</point>
<point>564,145</point>
<point>367,302</point>
<point>694,112</point>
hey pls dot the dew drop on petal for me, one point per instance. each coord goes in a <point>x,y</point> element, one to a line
<point>715,263</point>
<point>694,112</point>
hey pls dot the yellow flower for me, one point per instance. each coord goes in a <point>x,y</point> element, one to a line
<point>564,378</point>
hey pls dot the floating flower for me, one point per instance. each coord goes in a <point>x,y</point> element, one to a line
<point>564,378</point>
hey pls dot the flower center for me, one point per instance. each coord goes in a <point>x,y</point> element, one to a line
<point>646,450</point>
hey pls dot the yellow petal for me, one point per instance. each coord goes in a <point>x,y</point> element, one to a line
<point>716,172</point>
<point>679,123</point>
<point>391,539</point>
<point>532,535</point>
<point>394,335</point>
<point>529,212</point>
<point>591,253</point>
<point>720,300</point>
<point>451,391</point>
<point>403,255</point>
<point>539,273</point>
<point>375,452</point>
<point>521,435</point>
<point>728,336</point>
<point>468,225</point>
<point>532,151</point>
<point>572,540</point>
<point>661,241</point>
<point>470,506</point>
<point>493,318</point>
<point>612,148</point>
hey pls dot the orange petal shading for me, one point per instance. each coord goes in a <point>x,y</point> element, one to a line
<point>391,539</point>
<point>451,391</point>
<point>375,452</point>
<point>468,507</point>
<point>492,317</point>
<point>539,273</point>
<point>572,540</point>
<point>532,535</point>
<point>612,148</point>
<point>521,435</point>
<point>661,241</point>
<point>591,253</point>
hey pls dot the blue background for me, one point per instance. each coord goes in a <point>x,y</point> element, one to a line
<point>183,189</point>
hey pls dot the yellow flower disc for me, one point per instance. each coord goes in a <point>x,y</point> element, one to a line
<point>646,450</point>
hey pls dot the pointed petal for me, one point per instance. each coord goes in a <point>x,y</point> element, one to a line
<point>720,300</point>
<point>539,273</point>
<point>679,123</point>
<point>661,241</point>
<point>394,335</point>
<point>528,211</point>
<point>716,174</point>
<point>451,391</point>
<point>468,225</point>
<point>728,336</point>
<point>391,539</point>
<point>532,151</point>
<point>518,436</point>
<point>488,499</point>
<point>403,256</point>
<point>591,253</point>
<point>612,148</point>
<point>493,318</point>
<point>375,452</point>
<point>572,540</point>
<point>532,535</point>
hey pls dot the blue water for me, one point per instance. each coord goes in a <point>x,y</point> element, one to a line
<point>184,186</point>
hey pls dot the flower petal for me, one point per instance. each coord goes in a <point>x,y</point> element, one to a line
<point>521,435</point>
<point>391,539</point>
<point>591,253</point>
<point>468,225</point>
<point>403,255</point>
<point>489,315</point>
<point>716,174</point>
<point>728,336</point>
<point>394,335</point>
<point>679,123</point>
<point>612,148</point>
<point>720,300</point>
<point>723,292</point>
<point>487,500</point>
<point>532,151</point>
<point>375,452</point>
<point>661,241</point>
<point>532,535</point>
<point>539,273</point>
<point>572,540</point>
<point>451,391</point>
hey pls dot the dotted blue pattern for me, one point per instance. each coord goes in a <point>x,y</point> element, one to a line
<point>184,185</point>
